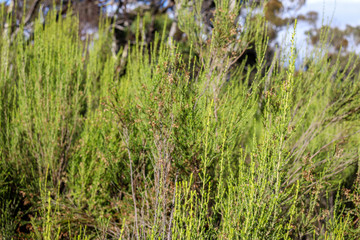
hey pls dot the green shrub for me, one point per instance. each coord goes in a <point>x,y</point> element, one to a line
<point>179,143</point>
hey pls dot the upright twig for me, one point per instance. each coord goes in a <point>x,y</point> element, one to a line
<point>126,139</point>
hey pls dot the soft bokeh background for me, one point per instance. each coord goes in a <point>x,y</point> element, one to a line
<point>337,13</point>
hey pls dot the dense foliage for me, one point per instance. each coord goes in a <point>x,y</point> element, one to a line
<point>183,140</point>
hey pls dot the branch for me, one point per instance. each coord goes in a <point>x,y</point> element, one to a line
<point>27,18</point>
<point>31,11</point>
<point>126,139</point>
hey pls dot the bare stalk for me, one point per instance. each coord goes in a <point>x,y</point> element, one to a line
<point>126,139</point>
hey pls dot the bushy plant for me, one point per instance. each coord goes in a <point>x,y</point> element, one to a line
<point>179,143</point>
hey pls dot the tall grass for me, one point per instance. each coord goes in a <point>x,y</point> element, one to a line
<point>183,145</point>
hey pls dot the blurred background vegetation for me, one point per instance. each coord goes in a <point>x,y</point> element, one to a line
<point>122,15</point>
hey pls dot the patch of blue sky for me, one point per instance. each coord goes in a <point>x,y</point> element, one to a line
<point>334,13</point>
